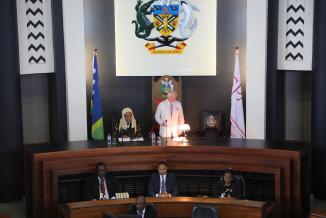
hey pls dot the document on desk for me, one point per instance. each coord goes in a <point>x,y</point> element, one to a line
<point>178,139</point>
<point>139,139</point>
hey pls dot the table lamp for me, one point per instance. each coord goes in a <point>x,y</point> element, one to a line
<point>184,128</point>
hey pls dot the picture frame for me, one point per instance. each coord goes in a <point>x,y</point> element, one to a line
<point>212,120</point>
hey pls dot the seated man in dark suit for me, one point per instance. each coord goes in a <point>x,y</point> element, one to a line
<point>142,209</point>
<point>127,124</point>
<point>162,183</point>
<point>99,186</point>
<point>229,187</point>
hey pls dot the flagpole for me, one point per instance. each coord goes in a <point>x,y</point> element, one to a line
<point>237,50</point>
<point>237,115</point>
<point>97,131</point>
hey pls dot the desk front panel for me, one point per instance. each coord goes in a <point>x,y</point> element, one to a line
<point>179,207</point>
<point>46,165</point>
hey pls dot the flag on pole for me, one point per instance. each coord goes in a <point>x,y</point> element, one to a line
<point>96,105</point>
<point>236,117</point>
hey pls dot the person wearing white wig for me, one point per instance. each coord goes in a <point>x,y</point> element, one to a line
<point>128,123</point>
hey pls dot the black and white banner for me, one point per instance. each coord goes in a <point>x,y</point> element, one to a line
<point>35,36</point>
<point>295,34</point>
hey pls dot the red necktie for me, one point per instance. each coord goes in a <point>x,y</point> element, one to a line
<point>102,186</point>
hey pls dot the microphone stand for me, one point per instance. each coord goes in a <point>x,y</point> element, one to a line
<point>166,132</point>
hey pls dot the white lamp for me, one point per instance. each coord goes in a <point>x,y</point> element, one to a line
<point>184,128</point>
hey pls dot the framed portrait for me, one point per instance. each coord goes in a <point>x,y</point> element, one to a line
<point>211,120</point>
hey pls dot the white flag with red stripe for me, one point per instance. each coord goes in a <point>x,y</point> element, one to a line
<point>236,117</point>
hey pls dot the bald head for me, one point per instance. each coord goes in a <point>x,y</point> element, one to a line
<point>140,203</point>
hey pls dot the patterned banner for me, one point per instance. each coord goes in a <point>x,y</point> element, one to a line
<point>295,34</point>
<point>35,36</point>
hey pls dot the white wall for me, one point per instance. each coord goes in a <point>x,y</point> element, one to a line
<point>257,14</point>
<point>73,27</point>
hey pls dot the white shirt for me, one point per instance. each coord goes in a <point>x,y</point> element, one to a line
<point>106,195</point>
<point>163,113</point>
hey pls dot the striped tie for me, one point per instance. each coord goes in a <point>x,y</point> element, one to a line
<point>102,186</point>
<point>163,187</point>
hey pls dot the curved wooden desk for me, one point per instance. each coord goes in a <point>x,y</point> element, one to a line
<point>288,162</point>
<point>177,207</point>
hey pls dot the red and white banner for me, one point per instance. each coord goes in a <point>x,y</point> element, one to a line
<point>237,117</point>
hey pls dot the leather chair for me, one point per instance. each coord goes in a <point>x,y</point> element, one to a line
<point>212,125</point>
<point>109,215</point>
<point>241,179</point>
<point>205,210</point>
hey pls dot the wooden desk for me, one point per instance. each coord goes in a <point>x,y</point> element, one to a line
<point>288,162</point>
<point>318,214</point>
<point>177,207</point>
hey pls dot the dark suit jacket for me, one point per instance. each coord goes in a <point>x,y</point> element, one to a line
<point>154,184</point>
<point>236,186</point>
<point>91,189</point>
<point>150,212</point>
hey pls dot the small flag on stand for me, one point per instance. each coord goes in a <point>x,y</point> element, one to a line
<point>237,117</point>
<point>96,104</point>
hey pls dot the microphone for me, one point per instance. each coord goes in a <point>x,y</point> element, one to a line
<point>121,133</point>
<point>166,132</point>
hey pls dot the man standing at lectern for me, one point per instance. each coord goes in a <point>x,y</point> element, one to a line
<point>169,115</point>
<point>162,183</point>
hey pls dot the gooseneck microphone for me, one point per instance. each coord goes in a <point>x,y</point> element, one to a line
<point>166,132</point>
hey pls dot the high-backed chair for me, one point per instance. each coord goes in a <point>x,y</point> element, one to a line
<point>212,124</point>
<point>241,179</point>
<point>109,215</point>
<point>205,210</point>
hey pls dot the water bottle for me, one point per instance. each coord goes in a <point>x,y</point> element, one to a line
<point>109,140</point>
<point>153,137</point>
<point>159,141</point>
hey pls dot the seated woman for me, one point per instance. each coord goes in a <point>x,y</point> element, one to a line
<point>228,186</point>
<point>128,124</point>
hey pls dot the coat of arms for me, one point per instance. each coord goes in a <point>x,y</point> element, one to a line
<point>166,25</point>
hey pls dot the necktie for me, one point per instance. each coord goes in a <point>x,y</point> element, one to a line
<point>163,188</point>
<point>102,187</point>
<point>171,108</point>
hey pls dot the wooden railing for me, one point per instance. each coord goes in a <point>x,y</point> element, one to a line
<point>176,207</point>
